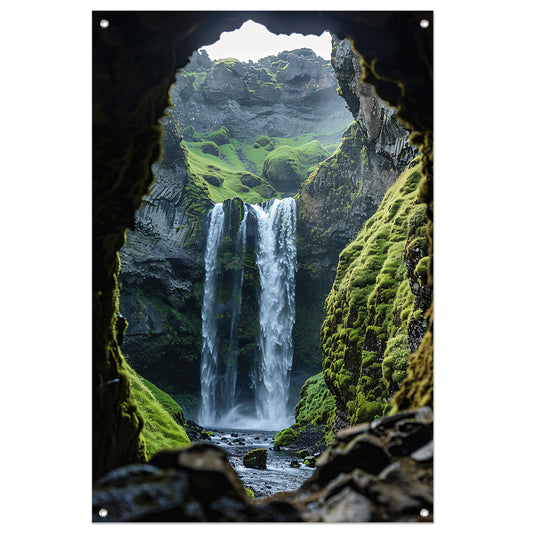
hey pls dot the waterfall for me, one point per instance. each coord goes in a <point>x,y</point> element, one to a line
<point>276,260</point>
<point>227,399</point>
<point>209,360</point>
<point>275,254</point>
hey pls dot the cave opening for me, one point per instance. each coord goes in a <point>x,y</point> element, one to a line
<point>110,234</point>
<point>229,115</point>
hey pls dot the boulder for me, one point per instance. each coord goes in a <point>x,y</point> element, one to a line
<point>255,459</point>
<point>310,461</point>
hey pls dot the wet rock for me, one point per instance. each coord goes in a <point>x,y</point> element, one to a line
<point>295,464</point>
<point>400,494</point>
<point>310,461</point>
<point>348,434</point>
<point>396,446</point>
<point>311,440</point>
<point>255,459</point>
<point>362,477</point>
<point>207,465</point>
<point>194,484</point>
<point>193,430</point>
<point>234,434</point>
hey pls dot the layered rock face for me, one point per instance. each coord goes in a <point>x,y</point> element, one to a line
<point>161,276</point>
<point>376,119</point>
<point>290,94</point>
<point>345,190</point>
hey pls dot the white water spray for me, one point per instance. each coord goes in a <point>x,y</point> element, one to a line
<point>209,361</point>
<point>276,260</point>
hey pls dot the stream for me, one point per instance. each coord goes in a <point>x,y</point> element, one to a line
<point>278,476</point>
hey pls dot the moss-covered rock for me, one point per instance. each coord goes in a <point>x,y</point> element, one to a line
<point>255,459</point>
<point>208,147</point>
<point>160,413</point>
<point>285,436</point>
<point>219,137</point>
<point>365,334</point>
<point>315,408</point>
<point>310,461</point>
<point>286,167</point>
<point>263,141</point>
<point>214,180</point>
<point>317,405</point>
<point>167,402</point>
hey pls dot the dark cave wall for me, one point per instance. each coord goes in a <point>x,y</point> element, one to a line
<point>134,63</point>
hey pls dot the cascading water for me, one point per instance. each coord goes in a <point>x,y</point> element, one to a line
<point>226,402</point>
<point>209,359</point>
<point>221,310</point>
<point>276,260</point>
<point>275,252</point>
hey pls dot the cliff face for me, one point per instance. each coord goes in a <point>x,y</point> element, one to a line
<point>162,274</point>
<point>376,119</point>
<point>373,322</point>
<point>344,191</point>
<point>290,94</point>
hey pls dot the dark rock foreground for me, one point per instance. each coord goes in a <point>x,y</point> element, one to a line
<point>374,472</point>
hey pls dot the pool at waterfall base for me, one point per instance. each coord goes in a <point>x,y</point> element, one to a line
<point>279,475</point>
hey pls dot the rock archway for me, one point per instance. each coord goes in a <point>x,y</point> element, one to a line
<point>134,63</point>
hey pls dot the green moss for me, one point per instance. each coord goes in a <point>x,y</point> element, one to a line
<point>395,361</point>
<point>167,402</point>
<point>295,163</point>
<point>364,335</point>
<point>316,408</point>
<point>226,175</point>
<point>421,271</point>
<point>160,429</point>
<point>220,137</point>
<point>263,141</point>
<point>285,436</point>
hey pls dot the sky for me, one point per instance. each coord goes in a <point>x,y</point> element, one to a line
<point>253,41</point>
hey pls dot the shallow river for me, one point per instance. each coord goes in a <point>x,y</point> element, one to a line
<point>278,476</point>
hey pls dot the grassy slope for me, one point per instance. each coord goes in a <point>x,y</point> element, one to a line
<point>236,160</point>
<point>160,429</point>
